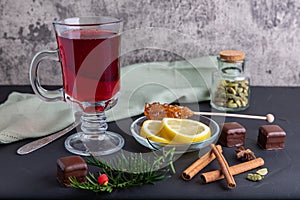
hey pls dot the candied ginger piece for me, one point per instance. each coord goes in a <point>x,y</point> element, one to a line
<point>157,111</point>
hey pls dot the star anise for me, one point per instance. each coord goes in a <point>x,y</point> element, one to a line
<point>244,154</point>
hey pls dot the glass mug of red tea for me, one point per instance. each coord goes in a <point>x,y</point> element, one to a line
<point>88,50</point>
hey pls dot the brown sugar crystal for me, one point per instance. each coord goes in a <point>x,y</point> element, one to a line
<point>158,111</point>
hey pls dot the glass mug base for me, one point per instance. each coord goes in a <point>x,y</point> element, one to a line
<point>97,145</point>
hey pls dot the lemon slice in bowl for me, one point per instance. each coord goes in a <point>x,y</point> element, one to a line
<point>183,131</point>
<point>150,130</point>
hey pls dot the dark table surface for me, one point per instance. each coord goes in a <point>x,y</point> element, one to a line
<point>33,176</point>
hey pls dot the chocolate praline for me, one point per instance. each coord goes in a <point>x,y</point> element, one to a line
<point>232,134</point>
<point>271,137</point>
<point>71,166</point>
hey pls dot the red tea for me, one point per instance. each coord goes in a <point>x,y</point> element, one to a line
<point>90,64</point>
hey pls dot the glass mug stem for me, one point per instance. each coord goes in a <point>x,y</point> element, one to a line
<point>92,123</point>
<point>46,95</point>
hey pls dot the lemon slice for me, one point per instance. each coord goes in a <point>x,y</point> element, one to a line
<point>150,130</point>
<point>183,131</point>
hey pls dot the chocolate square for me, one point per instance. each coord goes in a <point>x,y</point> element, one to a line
<point>71,166</point>
<point>271,137</point>
<point>232,134</point>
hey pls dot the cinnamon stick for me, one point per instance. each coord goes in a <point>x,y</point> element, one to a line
<point>211,176</point>
<point>224,167</point>
<point>199,164</point>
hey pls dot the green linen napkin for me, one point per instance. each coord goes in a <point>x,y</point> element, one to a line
<point>26,116</point>
<point>186,81</point>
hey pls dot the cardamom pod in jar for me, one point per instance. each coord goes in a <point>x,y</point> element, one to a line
<point>230,87</point>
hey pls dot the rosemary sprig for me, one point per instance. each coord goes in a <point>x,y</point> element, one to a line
<point>128,170</point>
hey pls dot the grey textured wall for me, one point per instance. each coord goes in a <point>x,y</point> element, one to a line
<point>267,30</point>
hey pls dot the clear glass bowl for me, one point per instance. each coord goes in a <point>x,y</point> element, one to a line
<point>179,148</point>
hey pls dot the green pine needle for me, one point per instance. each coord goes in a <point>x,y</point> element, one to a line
<point>127,171</point>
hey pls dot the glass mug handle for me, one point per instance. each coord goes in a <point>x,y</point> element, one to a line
<point>46,95</point>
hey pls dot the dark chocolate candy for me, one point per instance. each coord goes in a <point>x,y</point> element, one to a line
<point>271,137</point>
<point>233,134</point>
<point>71,166</point>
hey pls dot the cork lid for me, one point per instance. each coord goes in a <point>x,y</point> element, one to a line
<point>232,55</point>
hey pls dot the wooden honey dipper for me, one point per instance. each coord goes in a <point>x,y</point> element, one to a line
<point>158,111</point>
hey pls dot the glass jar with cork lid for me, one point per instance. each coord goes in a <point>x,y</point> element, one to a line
<point>230,85</point>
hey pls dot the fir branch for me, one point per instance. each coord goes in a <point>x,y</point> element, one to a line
<point>142,171</point>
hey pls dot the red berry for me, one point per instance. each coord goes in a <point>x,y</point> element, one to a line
<point>103,179</point>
